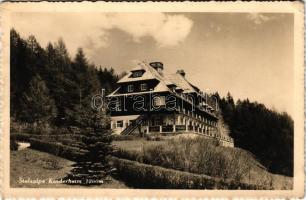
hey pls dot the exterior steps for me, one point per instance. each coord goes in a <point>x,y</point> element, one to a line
<point>138,121</point>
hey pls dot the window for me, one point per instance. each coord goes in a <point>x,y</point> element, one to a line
<point>143,87</point>
<point>130,88</point>
<point>137,73</point>
<point>119,124</point>
<point>159,101</point>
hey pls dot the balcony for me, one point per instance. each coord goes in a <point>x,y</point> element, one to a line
<point>168,129</point>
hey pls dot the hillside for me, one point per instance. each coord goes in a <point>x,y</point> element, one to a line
<point>64,96</point>
<point>201,156</point>
<point>262,131</point>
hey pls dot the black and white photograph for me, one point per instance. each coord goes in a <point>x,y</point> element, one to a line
<point>152,100</point>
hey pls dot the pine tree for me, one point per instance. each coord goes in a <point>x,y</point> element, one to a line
<point>37,106</point>
<point>108,79</point>
<point>59,65</point>
<point>84,86</point>
<point>21,70</point>
<point>92,168</point>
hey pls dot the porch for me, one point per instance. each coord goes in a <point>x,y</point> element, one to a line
<point>168,124</point>
<point>178,128</point>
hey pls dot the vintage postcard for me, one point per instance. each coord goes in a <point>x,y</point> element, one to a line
<point>152,99</point>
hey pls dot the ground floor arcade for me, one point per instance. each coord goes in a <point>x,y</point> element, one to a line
<point>170,123</point>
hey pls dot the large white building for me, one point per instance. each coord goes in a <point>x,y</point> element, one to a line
<point>149,101</point>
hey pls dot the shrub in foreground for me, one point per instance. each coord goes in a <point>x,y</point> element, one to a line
<point>70,153</point>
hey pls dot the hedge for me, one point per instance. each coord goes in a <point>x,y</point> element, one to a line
<point>124,137</point>
<point>70,153</point>
<point>13,144</point>
<point>68,138</point>
<point>149,176</point>
<point>135,137</point>
<point>21,136</point>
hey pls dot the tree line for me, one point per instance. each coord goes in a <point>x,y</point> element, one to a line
<point>262,131</point>
<point>48,86</point>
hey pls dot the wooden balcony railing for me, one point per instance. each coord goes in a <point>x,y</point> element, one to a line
<point>180,128</point>
<point>167,128</point>
<point>154,128</point>
<point>188,128</point>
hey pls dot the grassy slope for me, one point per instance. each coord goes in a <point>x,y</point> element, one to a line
<point>278,181</point>
<point>134,145</point>
<point>28,163</point>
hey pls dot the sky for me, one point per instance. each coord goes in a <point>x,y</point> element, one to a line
<point>249,55</point>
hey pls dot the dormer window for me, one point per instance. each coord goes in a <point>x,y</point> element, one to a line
<point>130,88</point>
<point>172,87</point>
<point>143,87</point>
<point>137,73</point>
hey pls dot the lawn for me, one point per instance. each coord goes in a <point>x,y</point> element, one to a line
<point>135,145</point>
<point>29,167</point>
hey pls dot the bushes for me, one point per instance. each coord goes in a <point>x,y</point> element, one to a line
<point>154,138</point>
<point>41,129</point>
<point>13,144</point>
<point>21,137</point>
<point>65,138</point>
<point>200,156</point>
<point>124,137</point>
<point>148,176</point>
<point>57,149</point>
<point>136,137</point>
<point>31,128</point>
<point>60,145</point>
<point>68,142</point>
<point>130,155</point>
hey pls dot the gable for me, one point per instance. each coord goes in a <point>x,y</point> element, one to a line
<point>148,74</point>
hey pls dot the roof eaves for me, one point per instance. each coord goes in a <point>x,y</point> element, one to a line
<point>114,92</point>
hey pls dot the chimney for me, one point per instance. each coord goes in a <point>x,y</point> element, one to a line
<point>158,66</point>
<point>181,72</point>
